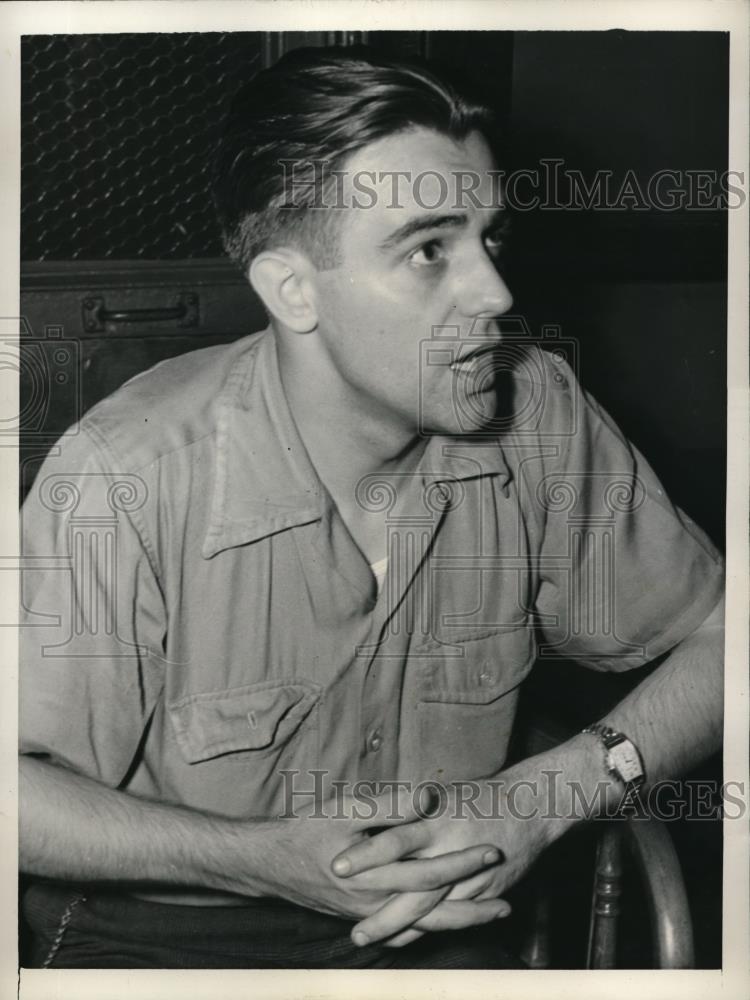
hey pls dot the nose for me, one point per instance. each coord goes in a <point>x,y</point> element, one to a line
<point>480,288</point>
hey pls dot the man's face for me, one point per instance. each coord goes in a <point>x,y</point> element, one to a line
<point>415,259</point>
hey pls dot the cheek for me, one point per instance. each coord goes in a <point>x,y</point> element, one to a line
<point>358,314</point>
<point>372,293</point>
<point>348,303</point>
<point>379,330</point>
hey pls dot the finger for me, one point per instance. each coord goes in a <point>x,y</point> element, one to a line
<point>471,888</point>
<point>398,914</point>
<point>405,937</point>
<point>489,892</point>
<point>381,849</point>
<point>429,873</point>
<point>453,916</point>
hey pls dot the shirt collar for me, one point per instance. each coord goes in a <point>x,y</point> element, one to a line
<point>264,480</point>
<point>470,456</point>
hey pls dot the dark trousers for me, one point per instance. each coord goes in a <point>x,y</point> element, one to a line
<point>93,928</point>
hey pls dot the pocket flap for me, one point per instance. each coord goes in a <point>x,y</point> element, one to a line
<point>486,668</point>
<point>246,718</point>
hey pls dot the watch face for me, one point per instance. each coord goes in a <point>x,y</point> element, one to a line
<point>627,761</point>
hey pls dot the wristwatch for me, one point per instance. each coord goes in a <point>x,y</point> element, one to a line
<point>623,761</point>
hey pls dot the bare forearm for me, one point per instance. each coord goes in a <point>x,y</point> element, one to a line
<point>73,828</point>
<point>674,717</point>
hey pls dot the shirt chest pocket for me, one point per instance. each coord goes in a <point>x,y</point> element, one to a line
<point>270,719</point>
<point>467,701</point>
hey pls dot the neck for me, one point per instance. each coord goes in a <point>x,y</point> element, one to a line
<point>346,434</point>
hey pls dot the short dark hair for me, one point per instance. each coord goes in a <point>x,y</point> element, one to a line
<point>319,105</point>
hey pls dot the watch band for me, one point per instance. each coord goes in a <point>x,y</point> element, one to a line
<point>633,782</point>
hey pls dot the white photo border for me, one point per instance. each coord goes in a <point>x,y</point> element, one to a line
<point>733,981</point>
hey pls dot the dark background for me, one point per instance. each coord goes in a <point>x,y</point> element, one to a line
<point>117,135</point>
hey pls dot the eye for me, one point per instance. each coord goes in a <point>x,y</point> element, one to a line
<point>495,241</point>
<point>428,254</point>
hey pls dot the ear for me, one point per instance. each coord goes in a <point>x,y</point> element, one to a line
<point>283,280</point>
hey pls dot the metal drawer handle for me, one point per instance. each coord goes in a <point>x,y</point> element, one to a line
<point>96,315</point>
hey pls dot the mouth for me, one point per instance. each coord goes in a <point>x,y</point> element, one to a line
<point>472,362</point>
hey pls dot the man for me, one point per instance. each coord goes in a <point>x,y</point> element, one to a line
<point>285,583</point>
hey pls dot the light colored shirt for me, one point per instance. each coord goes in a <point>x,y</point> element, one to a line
<point>198,619</point>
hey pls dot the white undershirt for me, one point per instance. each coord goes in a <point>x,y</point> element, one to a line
<point>379,569</point>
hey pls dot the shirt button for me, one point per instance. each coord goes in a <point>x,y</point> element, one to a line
<point>486,678</point>
<point>374,741</point>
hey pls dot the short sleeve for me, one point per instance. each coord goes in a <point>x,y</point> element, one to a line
<point>623,574</point>
<point>92,613</point>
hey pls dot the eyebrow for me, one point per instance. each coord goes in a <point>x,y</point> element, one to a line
<point>434,220</point>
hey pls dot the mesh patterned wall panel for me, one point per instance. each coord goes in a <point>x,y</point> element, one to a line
<point>117,134</point>
<point>117,131</point>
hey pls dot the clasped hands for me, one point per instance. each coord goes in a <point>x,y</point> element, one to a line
<point>451,867</point>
